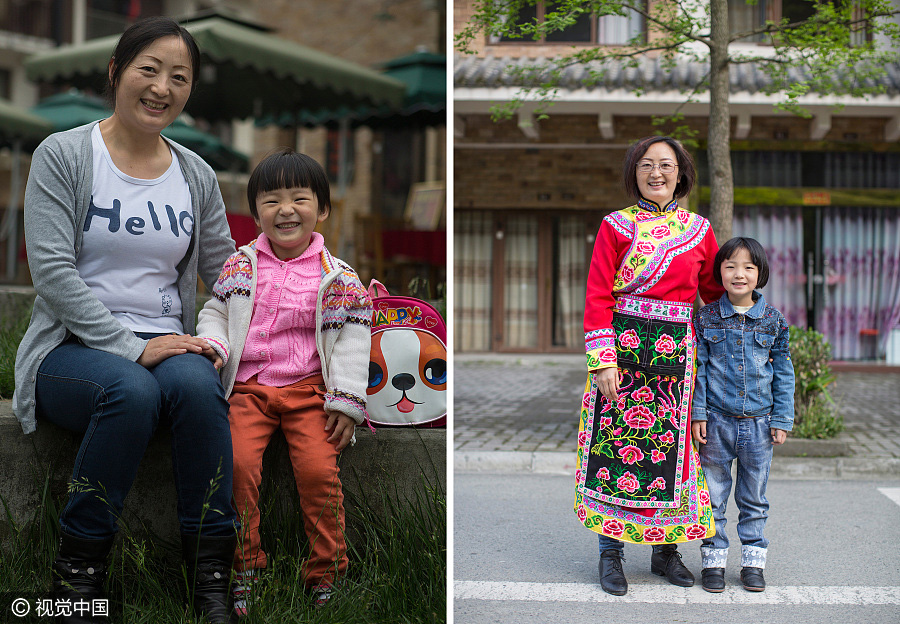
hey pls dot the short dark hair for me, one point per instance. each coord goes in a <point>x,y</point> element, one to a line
<point>285,168</point>
<point>140,35</point>
<point>687,174</point>
<point>757,256</point>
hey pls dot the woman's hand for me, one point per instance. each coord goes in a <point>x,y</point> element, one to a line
<point>608,383</point>
<point>344,426</point>
<point>164,347</point>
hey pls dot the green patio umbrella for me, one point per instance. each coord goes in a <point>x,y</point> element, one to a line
<point>72,109</point>
<point>18,124</point>
<point>246,72</point>
<point>424,104</point>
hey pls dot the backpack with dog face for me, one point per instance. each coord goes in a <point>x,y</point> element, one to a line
<point>408,362</point>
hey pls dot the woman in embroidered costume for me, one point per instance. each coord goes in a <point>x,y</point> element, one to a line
<point>638,477</point>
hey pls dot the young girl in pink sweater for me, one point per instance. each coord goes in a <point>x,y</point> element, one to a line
<point>291,324</point>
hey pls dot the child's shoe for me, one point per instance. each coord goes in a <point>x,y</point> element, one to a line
<point>753,580</point>
<point>242,589</point>
<point>713,579</point>
<point>322,594</point>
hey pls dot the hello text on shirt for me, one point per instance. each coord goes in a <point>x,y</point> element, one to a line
<point>135,225</point>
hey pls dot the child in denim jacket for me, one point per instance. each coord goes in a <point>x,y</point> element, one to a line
<point>744,392</point>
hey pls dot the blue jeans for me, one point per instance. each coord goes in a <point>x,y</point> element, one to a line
<point>117,405</point>
<point>749,441</point>
<point>607,543</point>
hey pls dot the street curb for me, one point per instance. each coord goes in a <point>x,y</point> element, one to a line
<point>538,462</point>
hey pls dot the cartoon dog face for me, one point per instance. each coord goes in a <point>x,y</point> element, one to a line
<point>407,377</point>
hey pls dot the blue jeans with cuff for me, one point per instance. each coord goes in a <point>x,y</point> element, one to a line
<point>749,441</point>
<point>117,405</point>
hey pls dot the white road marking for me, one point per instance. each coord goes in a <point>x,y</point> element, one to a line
<point>734,594</point>
<point>891,493</point>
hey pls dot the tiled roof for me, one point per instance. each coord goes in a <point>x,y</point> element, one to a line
<point>650,75</point>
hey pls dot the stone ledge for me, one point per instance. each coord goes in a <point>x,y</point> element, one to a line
<point>400,462</point>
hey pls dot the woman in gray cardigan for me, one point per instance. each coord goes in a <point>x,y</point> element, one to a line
<point>118,223</point>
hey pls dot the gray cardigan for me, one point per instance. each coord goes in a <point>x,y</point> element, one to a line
<point>57,197</point>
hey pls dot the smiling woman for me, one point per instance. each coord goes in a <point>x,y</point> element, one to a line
<point>637,479</point>
<point>119,221</point>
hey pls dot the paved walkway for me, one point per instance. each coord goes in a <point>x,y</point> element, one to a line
<point>527,404</point>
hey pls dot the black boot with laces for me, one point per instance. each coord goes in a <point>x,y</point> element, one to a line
<point>612,579</point>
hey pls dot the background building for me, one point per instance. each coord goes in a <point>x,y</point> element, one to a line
<point>821,194</point>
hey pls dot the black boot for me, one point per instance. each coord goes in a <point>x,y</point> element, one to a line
<point>612,579</point>
<point>78,574</point>
<point>667,563</point>
<point>208,561</point>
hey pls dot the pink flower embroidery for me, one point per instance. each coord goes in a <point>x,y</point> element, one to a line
<point>627,274</point>
<point>645,248</point>
<point>628,482</point>
<point>582,513</point>
<point>682,216</point>
<point>667,438</point>
<point>608,355</point>
<point>660,232</point>
<point>665,344</point>
<point>643,393</point>
<point>603,473</point>
<point>657,456</point>
<point>646,308</point>
<point>613,528</point>
<point>631,454</point>
<point>629,339</point>
<point>639,417</point>
<point>658,484</point>
<point>605,421</point>
<point>654,534</point>
<point>695,531</point>
<point>643,216</point>
<point>704,497</point>
<point>620,402</point>
<point>583,438</point>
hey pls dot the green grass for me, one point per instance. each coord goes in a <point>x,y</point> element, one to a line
<point>397,570</point>
<point>12,328</point>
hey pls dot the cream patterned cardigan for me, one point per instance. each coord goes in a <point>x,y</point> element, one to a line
<point>343,327</point>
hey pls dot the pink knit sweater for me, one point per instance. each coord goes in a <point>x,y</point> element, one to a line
<point>281,341</point>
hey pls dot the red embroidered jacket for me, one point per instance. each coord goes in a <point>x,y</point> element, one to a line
<point>664,254</point>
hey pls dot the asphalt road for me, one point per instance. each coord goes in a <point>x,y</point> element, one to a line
<point>521,556</point>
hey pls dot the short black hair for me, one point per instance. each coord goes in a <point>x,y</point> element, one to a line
<point>687,174</point>
<point>285,168</point>
<point>757,256</point>
<point>140,35</point>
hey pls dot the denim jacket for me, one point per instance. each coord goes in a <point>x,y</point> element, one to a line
<point>734,374</point>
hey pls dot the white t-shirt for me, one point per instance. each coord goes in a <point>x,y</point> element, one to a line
<point>135,234</point>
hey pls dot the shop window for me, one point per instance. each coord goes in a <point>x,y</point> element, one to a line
<point>745,16</point>
<point>791,169</point>
<point>603,29</point>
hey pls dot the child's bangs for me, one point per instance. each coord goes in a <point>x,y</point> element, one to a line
<point>285,172</point>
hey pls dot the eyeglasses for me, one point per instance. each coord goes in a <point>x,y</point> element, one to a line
<point>664,168</point>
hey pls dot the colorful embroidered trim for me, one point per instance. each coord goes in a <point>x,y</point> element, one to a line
<point>657,238</point>
<point>652,206</point>
<point>600,345</point>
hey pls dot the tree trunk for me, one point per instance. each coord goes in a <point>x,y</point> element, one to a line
<point>721,199</point>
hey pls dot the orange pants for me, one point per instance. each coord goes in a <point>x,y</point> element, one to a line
<point>256,412</point>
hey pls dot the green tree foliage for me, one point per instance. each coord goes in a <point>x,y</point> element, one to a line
<point>824,47</point>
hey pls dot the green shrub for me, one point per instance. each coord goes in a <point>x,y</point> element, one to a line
<point>814,410</point>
